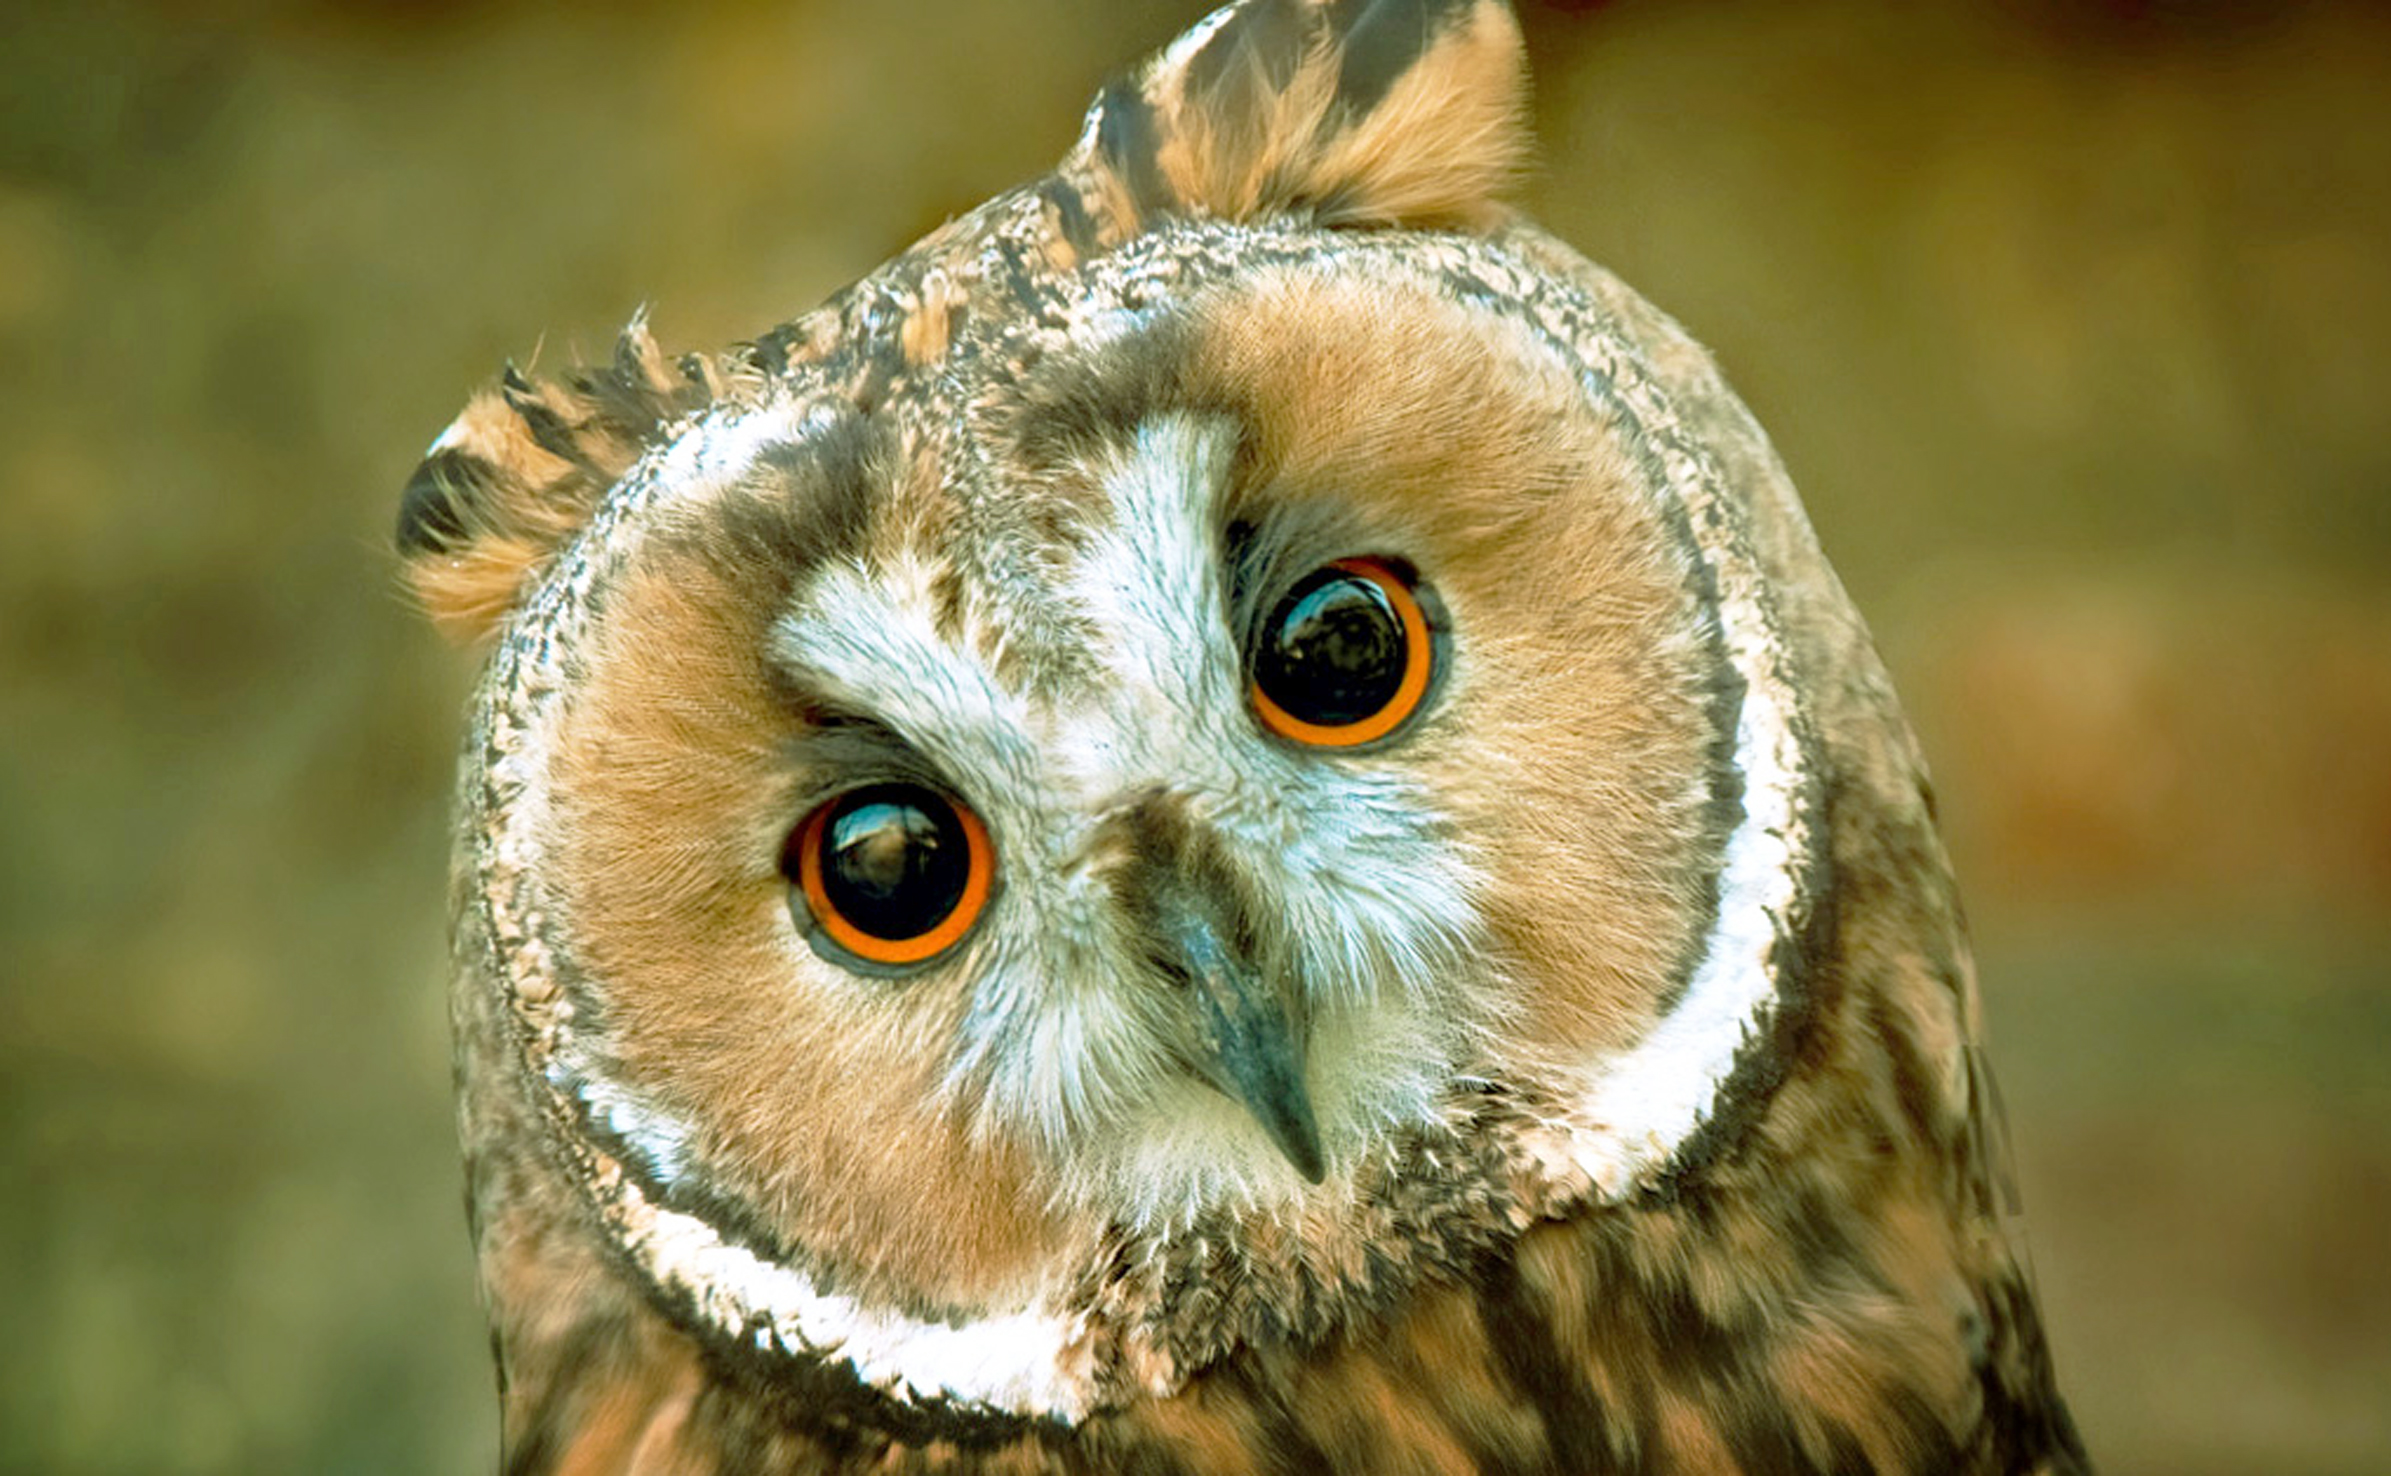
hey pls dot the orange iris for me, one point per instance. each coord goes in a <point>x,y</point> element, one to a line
<point>1345,658</point>
<point>894,874</point>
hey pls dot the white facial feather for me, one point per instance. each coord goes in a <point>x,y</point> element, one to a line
<point>1069,1041</point>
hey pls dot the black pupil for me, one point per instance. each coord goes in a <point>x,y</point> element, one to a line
<point>894,860</point>
<point>1333,652</point>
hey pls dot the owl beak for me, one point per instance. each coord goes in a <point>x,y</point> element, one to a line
<point>1250,1047</point>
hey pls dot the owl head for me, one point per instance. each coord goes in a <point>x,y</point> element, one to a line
<point>1212,745</point>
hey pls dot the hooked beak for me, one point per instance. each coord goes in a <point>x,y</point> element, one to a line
<point>1250,1047</point>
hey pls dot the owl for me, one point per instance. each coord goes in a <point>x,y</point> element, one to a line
<point>1224,821</point>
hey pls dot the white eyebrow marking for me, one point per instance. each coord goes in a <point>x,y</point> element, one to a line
<point>868,639</point>
<point>1149,583</point>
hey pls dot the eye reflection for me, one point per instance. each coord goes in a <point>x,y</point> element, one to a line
<point>1345,656</point>
<point>892,873</point>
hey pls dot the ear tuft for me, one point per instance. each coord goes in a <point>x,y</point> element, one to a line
<point>1350,112</point>
<point>521,470</point>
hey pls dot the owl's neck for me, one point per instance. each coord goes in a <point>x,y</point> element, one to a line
<point>1824,1297</point>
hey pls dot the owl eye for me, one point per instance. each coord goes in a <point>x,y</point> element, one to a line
<point>890,874</point>
<point>1345,657</point>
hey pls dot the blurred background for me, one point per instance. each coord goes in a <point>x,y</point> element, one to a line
<point>2072,320</point>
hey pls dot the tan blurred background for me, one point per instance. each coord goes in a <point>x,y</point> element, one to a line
<point>2073,321</point>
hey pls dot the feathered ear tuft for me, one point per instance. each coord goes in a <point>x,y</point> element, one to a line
<point>1350,112</point>
<point>521,470</point>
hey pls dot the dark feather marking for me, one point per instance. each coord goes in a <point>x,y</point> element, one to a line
<point>1818,1234</point>
<point>1383,40</point>
<point>1135,1458</point>
<point>1264,42</point>
<point>432,511</point>
<point>1914,1088</point>
<point>1925,1434</point>
<point>807,503</point>
<point>775,350</point>
<point>1285,1444</point>
<point>1520,1333</point>
<point>834,477</point>
<point>1074,412</point>
<point>1237,75</point>
<point>548,429</point>
<point>567,1372</point>
<point>1988,1141</point>
<point>1845,1456</point>
<point>878,353</point>
<point>842,750</point>
<point>622,397</point>
<point>1127,137</point>
<point>1692,1345</point>
<point>1757,1428</point>
<point>2023,1413</point>
<point>456,495</point>
<point>1071,218</point>
<point>1021,275</point>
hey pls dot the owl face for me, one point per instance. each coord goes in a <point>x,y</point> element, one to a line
<point>1219,700</point>
<point>1156,764</point>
